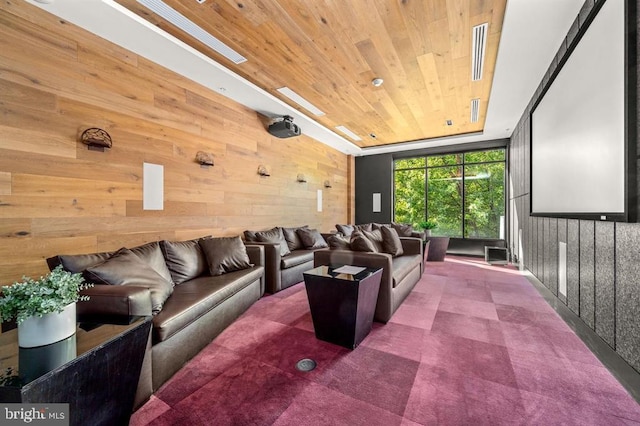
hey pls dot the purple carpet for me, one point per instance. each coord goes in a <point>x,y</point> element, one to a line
<point>473,344</point>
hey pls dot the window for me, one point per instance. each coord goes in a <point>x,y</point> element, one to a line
<point>464,193</point>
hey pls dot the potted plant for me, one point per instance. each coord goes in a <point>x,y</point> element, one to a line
<point>44,309</point>
<point>426,226</point>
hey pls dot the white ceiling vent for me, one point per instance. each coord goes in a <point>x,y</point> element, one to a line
<point>300,101</point>
<point>179,20</point>
<point>349,133</point>
<point>478,46</point>
<point>475,110</point>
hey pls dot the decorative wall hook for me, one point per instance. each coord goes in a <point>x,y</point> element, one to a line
<point>96,139</point>
<point>301,178</point>
<point>327,184</point>
<point>205,159</point>
<point>263,170</point>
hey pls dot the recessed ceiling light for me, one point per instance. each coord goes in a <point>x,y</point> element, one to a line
<point>449,123</point>
<point>300,101</point>
<point>373,135</point>
<point>377,81</point>
<point>201,1</point>
<point>179,20</point>
<point>349,133</point>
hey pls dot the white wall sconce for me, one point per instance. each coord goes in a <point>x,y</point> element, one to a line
<point>205,159</point>
<point>96,139</point>
<point>263,170</point>
<point>327,183</point>
<point>301,178</point>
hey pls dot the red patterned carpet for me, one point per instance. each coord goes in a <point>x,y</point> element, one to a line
<point>473,344</point>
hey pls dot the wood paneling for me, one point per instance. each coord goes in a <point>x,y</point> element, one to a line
<point>58,197</point>
<point>329,51</point>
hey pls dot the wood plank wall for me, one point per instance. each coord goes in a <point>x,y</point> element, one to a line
<point>56,196</point>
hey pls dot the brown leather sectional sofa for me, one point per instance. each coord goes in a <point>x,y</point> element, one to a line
<point>400,273</point>
<point>199,305</point>
<point>287,255</point>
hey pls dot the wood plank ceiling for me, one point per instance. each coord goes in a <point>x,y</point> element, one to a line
<point>329,51</point>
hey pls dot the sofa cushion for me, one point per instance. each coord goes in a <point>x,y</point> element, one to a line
<point>185,259</point>
<point>403,229</point>
<point>345,230</point>
<point>151,254</point>
<point>311,238</point>
<point>375,237</point>
<point>297,257</point>
<point>375,226</point>
<point>226,254</point>
<point>250,236</point>
<point>391,242</point>
<point>79,262</point>
<point>274,236</point>
<point>360,242</point>
<point>402,266</point>
<point>196,297</point>
<point>126,268</point>
<point>292,238</point>
<point>339,242</point>
<point>365,227</point>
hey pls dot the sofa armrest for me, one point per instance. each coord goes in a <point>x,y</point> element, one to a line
<point>115,300</point>
<point>419,234</point>
<point>384,305</point>
<point>357,258</point>
<point>256,256</point>
<point>255,253</point>
<point>272,258</point>
<point>411,245</point>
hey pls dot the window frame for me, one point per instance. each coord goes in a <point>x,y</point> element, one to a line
<point>462,163</point>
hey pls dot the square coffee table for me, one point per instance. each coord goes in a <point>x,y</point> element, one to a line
<point>342,305</point>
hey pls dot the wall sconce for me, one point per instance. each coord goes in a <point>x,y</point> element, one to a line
<point>327,184</point>
<point>301,178</point>
<point>263,170</point>
<point>96,139</point>
<point>205,159</point>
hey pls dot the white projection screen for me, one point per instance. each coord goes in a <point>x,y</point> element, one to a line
<point>578,149</point>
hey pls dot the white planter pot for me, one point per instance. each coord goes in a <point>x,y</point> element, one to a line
<point>50,328</point>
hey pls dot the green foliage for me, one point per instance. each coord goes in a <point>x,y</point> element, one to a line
<point>409,199</point>
<point>484,156</point>
<point>444,199</point>
<point>443,160</point>
<point>425,224</point>
<point>409,163</point>
<point>51,293</point>
<point>477,177</point>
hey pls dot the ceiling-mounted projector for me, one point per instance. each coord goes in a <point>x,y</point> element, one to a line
<point>284,128</point>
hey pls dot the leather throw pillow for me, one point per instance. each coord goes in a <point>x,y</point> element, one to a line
<point>312,239</point>
<point>226,254</point>
<point>339,242</point>
<point>184,259</point>
<point>359,242</point>
<point>274,236</point>
<point>391,242</point>
<point>403,229</point>
<point>126,268</point>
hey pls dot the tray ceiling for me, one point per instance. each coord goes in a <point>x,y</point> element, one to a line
<point>328,52</point>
